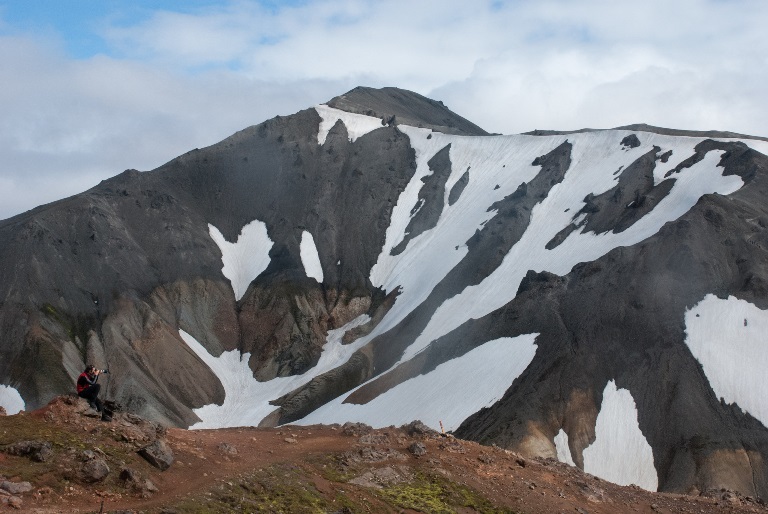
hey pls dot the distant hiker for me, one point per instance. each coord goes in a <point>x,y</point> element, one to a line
<point>88,388</point>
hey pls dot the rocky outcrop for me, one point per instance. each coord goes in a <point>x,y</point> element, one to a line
<point>159,454</point>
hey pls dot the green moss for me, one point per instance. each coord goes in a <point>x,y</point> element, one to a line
<point>436,495</point>
<point>278,489</point>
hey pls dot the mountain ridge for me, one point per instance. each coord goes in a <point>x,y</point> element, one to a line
<point>512,287</point>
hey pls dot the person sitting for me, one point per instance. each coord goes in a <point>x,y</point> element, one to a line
<point>88,388</point>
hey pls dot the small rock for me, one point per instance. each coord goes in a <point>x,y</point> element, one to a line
<point>149,486</point>
<point>159,454</point>
<point>227,449</point>
<point>15,502</point>
<point>521,462</point>
<point>94,470</point>
<point>2,411</point>
<point>356,429</point>
<point>418,449</point>
<point>15,487</point>
<point>374,439</point>
<point>290,440</point>
<point>129,475</point>
<point>485,458</point>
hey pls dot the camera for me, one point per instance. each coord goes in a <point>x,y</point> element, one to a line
<point>103,371</point>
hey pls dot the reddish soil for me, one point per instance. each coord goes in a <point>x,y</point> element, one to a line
<point>352,463</point>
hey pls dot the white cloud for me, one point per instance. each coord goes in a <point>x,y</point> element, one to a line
<point>176,81</point>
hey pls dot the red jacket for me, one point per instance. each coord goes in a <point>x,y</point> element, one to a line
<point>84,382</point>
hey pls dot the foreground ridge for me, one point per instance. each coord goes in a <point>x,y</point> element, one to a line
<point>335,468</point>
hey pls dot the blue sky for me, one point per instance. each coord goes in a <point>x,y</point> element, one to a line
<point>78,23</point>
<point>91,88</point>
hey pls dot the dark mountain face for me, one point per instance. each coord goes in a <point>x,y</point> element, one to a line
<point>598,296</point>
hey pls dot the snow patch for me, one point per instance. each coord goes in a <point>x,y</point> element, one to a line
<point>11,400</point>
<point>310,258</point>
<point>245,259</point>
<point>591,172</point>
<point>246,400</point>
<point>728,338</point>
<point>563,450</point>
<point>357,124</point>
<point>620,453</point>
<point>451,392</point>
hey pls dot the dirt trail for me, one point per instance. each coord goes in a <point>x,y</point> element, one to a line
<point>311,469</point>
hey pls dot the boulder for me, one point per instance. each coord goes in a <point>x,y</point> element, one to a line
<point>355,429</point>
<point>39,451</point>
<point>418,449</point>
<point>94,470</point>
<point>418,428</point>
<point>15,487</point>
<point>159,454</point>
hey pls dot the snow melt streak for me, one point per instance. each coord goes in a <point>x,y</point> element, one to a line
<point>310,258</point>
<point>730,340</point>
<point>11,400</point>
<point>245,259</point>
<point>563,450</point>
<point>451,392</point>
<point>246,400</point>
<point>620,453</point>
<point>357,124</point>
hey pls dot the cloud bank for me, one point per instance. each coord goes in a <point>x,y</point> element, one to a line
<point>176,79</point>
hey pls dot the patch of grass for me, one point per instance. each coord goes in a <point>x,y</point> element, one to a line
<point>330,468</point>
<point>280,489</point>
<point>436,495</point>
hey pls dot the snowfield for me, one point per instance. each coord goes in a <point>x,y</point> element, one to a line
<point>450,393</point>
<point>620,453</point>
<point>563,450</point>
<point>310,258</point>
<point>730,339</point>
<point>357,124</point>
<point>245,259</point>
<point>11,400</point>
<point>246,400</point>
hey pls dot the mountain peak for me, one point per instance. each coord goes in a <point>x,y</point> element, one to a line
<point>406,107</point>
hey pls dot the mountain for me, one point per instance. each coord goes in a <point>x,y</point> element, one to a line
<point>595,296</point>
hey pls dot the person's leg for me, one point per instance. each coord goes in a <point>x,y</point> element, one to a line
<point>91,393</point>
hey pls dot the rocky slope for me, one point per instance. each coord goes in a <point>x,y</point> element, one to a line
<point>92,466</point>
<point>598,297</point>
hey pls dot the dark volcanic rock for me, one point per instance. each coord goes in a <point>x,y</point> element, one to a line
<point>94,470</point>
<point>631,141</point>
<point>430,205</point>
<point>38,451</point>
<point>632,198</point>
<point>458,188</point>
<point>159,454</point>
<point>405,107</point>
<point>418,449</point>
